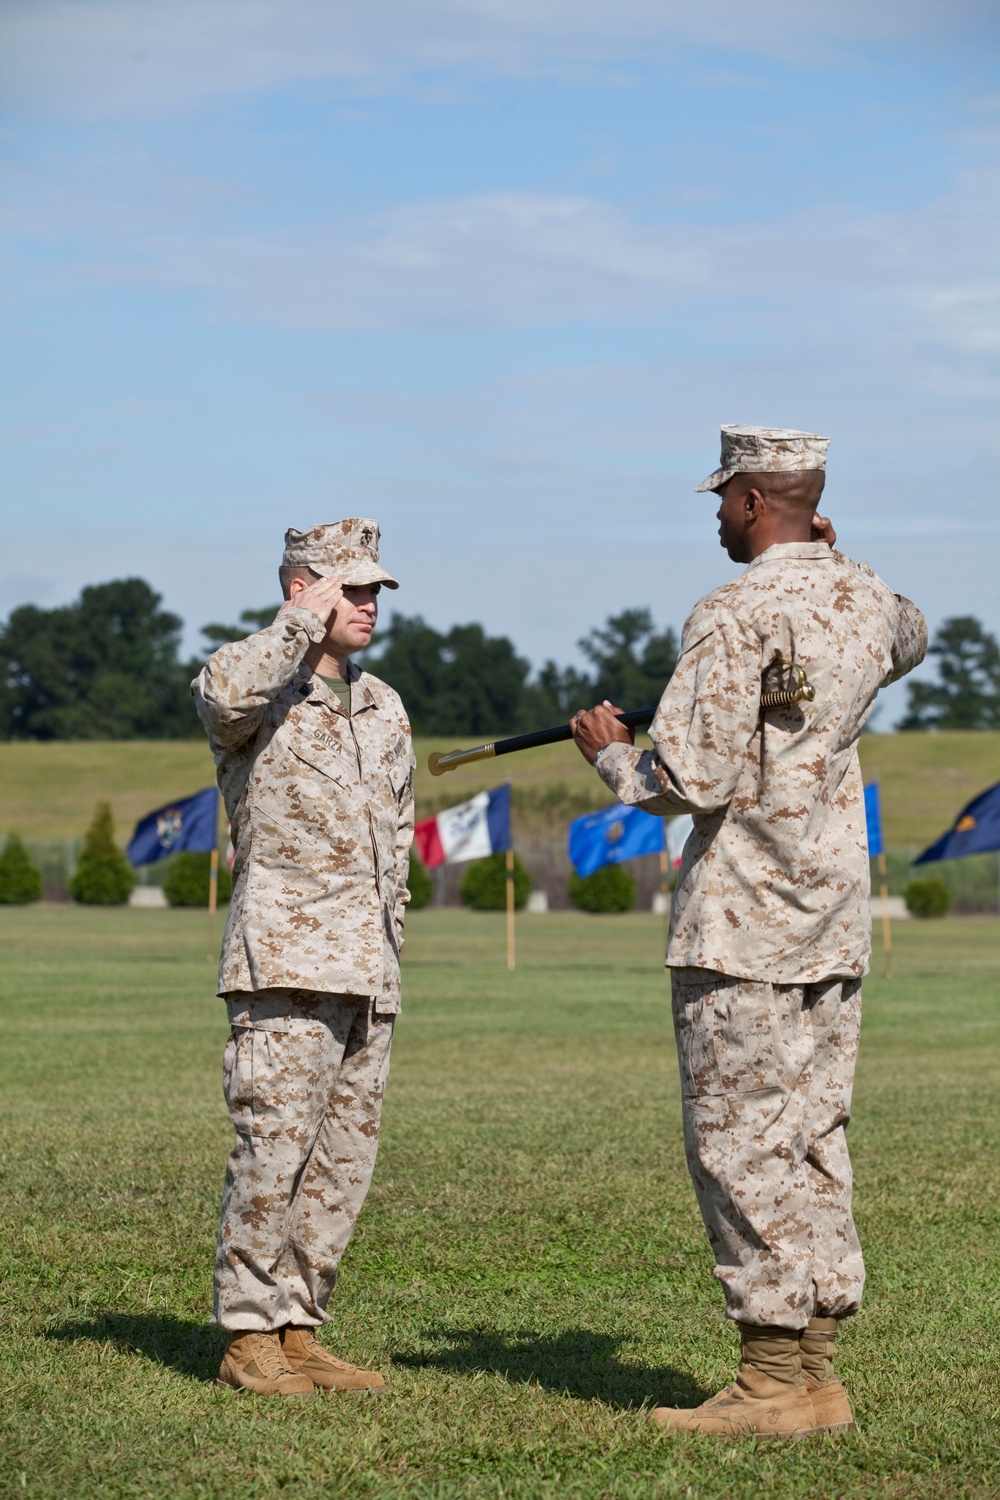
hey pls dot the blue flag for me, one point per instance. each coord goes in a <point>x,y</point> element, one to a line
<point>187,824</point>
<point>976,830</point>
<point>873,817</point>
<point>614,834</point>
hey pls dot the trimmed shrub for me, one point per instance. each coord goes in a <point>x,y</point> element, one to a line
<point>608,889</point>
<point>484,884</point>
<point>419,883</point>
<point>188,876</point>
<point>103,875</point>
<point>928,897</point>
<point>20,878</point>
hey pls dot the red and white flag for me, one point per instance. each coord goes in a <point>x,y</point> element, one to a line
<point>472,830</point>
<point>678,832</point>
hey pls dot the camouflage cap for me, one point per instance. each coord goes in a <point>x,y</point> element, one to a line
<point>347,550</point>
<point>765,450</point>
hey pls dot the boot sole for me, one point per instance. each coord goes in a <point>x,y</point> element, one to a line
<point>246,1390</point>
<point>351,1390</point>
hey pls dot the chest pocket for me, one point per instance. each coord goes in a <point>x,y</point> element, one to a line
<point>319,759</point>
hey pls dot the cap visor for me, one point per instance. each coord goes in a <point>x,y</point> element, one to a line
<point>356,575</point>
<point>714,480</point>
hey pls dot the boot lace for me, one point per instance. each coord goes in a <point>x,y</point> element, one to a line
<point>267,1354</point>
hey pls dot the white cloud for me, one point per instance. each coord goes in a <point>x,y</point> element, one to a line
<point>106,57</point>
<point>924,276</point>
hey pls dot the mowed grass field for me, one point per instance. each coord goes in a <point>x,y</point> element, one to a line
<point>48,791</point>
<point>530,1270</point>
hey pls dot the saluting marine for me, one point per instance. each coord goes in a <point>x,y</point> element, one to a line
<point>315,761</point>
<point>770,927</point>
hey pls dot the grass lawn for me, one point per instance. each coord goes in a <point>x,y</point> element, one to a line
<point>48,791</point>
<point>530,1268</point>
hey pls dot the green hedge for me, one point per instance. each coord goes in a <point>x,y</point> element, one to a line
<point>928,897</point>
<point>419,883</point>
<point>103,875</point>
<point>20,878</point>
<point>187,880</point>
<point>609,889</point>
<point>484,884</point>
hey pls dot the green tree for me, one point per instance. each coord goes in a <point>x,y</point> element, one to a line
<point>556,694</point>
<point>103,875</point>
<point>251,620</point>
<point>632,663</point>
<point>105,667</point>
<point>967,692</point>
<point>20,878</point>
<point>461,683</point>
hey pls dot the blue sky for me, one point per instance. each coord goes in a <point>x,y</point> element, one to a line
<point>493,273</point>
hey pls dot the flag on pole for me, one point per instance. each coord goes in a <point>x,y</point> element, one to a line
<point>187,824</point>
<point>472,830</point>
<point>679,830</point>
<point>611,835</point>
<point>876,850</point>
<point>976,830</point>
<point>873,819</point>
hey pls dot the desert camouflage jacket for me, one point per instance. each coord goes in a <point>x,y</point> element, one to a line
<point>321,807</point>
<point>774,881</point>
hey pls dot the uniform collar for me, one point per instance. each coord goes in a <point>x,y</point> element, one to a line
<point>311,687</point>
<point>787,551</point>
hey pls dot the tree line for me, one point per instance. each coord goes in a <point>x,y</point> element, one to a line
<point>109,666</point>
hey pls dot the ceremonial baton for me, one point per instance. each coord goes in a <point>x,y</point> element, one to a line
<point>437,764</point>
<point>802,692</point>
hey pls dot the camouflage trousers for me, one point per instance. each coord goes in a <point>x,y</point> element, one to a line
<point>303,1077</point>
<point>766,1077</point>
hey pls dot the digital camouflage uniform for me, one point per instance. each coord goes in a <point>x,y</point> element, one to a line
<point>321,807</point>
<point>770,924</point>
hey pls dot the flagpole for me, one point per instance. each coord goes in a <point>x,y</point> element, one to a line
<point>510,909</point>
<point>886,928</point>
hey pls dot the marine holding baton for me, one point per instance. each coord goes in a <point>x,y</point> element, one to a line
<point>315,762</point>
<point>770,927</point>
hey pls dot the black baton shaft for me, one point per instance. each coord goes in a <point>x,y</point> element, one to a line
<point>632,720</point>
<point>437,763</point>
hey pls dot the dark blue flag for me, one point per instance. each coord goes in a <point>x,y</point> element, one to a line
<point>976,830</point>
<point>187,824</point>
<point>614,834</point>
<point>873,817</point>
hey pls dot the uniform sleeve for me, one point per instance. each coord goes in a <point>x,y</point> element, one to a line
<point>703,726</point>
<point>404,838</point>
<point>908,629</point>
<point>233,689</point>
<point>909,645</point>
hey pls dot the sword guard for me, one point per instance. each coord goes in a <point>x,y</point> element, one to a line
<point>802,692</point>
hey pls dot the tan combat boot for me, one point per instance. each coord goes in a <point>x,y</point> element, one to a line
<point>255,1362</point>
<point>767,1399</point>
<point>829,1399</point>
<point>307,1356</point>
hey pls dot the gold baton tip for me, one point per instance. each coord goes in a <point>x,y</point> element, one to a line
<point>437,763</point>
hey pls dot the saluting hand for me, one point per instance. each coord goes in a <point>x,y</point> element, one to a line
<point>822,530</point>
<point>322,597</point>
<point>595,728</point>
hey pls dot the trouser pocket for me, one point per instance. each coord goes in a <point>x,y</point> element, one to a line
<point>726,1031</point>
<point>257,1082</point>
